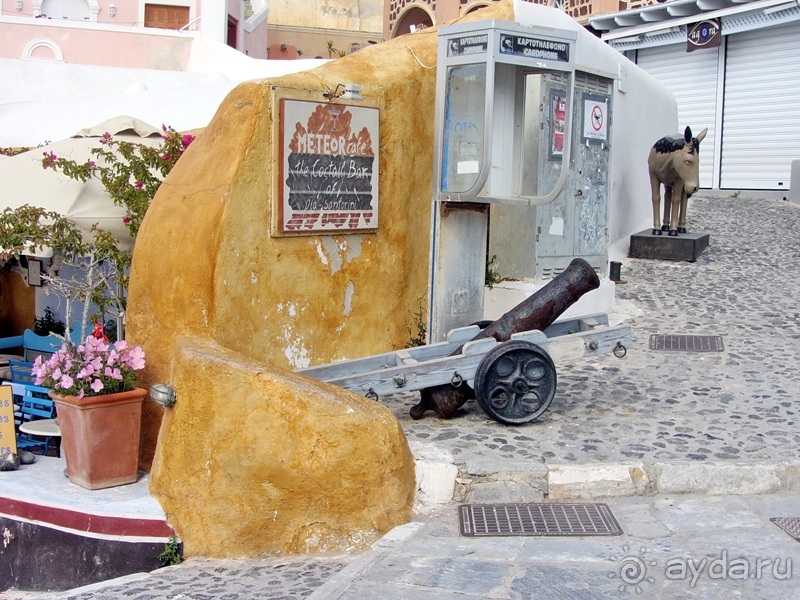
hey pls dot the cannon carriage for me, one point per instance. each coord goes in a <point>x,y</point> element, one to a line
<point>514,382</point>
<point>507,365</point>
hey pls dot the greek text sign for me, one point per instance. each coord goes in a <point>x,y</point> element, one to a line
<point>329,174</point>
<point>473,44</point>
<point>534,47</point>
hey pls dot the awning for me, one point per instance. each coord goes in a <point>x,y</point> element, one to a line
<point>23,180</point>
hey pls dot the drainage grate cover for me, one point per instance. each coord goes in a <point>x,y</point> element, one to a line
<point>686,343</point>
<point>537,519</point>
<point>790,525</point>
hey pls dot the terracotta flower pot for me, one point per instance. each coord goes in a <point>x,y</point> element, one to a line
<point>100,437</point>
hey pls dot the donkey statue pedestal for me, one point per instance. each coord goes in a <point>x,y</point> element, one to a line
<point>685,247</point>
<point>673,162</point>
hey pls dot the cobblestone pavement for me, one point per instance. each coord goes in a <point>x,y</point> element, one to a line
<point>656,406</point>
<point>288,578</point>
<point>738,405</point>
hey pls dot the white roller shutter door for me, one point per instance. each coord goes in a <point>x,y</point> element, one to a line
<point>692,78</point>
<point>761,116</point>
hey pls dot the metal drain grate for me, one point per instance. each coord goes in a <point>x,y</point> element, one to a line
<point>790,525</point>
<point>686,343</point>
<point>537,519</point>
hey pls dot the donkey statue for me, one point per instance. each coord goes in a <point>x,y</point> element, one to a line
<point>675,162</point>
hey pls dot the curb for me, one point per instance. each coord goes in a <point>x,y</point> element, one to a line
<point>441,481</point>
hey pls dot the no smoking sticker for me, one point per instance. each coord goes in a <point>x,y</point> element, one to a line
<point>595,120</point>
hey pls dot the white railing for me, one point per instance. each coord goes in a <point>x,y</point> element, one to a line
<point>189,24</point>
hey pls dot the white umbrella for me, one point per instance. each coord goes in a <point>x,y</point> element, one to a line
<point>23,180</point>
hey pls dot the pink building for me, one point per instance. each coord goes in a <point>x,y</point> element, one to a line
<point>129,33</point>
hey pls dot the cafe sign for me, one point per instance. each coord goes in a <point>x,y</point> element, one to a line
<point>8,439</point>
<point>704,34</point>
<point>329,168</point>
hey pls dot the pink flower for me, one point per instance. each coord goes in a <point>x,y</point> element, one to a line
<point>138,185</point>
<point>187,139</point>
<point>126,219</point>
<point>136,359</point>
<point>95,367</point>
<point>113,357</point>
<point>166,157</point>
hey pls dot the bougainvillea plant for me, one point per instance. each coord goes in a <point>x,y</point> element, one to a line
<point>131,173</point>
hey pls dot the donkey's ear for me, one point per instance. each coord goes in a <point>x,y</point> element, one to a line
<point>702,135</point>
<point>687,134</point>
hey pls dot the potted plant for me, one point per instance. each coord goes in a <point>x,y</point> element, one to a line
<point>99,408</point>
<point>92,376</point>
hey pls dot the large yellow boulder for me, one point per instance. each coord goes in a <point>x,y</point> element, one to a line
<point>259,460</point>
<point>255,458</point>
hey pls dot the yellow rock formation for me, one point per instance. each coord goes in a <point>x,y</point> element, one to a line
<point>254,458</point>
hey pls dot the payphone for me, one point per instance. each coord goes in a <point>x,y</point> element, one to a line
<point>506,178</point>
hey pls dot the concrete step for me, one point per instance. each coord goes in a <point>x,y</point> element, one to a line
<point>441,480</point>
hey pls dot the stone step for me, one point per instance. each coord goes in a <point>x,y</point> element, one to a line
<point>440,480</point>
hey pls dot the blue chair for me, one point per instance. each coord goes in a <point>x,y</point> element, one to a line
<point>32,345</point>
<point>21,372</point>
<point>34,403</point>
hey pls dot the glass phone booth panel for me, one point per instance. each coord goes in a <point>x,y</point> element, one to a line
<point>464,127</point>
<point>501,133</point>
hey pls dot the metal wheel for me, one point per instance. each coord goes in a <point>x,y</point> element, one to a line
<point>515,382</point>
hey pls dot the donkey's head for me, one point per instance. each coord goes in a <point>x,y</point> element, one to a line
<point>686,161</point>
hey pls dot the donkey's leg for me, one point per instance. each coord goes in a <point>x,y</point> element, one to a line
<point>682,217</point>
<point>677,190</point>
<point>655,195</point>
<point>667,207</point>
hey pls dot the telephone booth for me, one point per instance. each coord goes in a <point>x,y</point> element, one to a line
<point>521,163</point>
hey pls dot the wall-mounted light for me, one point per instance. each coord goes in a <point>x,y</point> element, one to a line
<point>163,394</point>
<point>283,47</point>
<point>18,4</point>
<point>349,91</point>
<point>112,10</point>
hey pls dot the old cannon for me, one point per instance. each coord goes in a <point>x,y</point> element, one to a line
<point>509,364</point>
<point>516,381</point>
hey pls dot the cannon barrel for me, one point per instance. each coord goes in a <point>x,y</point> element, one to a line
<point>538,311</point>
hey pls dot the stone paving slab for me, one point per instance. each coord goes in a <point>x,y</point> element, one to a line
<point>688,546</point>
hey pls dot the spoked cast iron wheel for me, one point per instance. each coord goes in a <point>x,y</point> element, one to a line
<point>515,382</point>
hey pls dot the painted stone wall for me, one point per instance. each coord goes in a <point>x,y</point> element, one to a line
<point>356,15</point>
<point>225,312</point>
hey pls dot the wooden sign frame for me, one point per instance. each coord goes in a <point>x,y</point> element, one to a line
<point>328,168</point>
